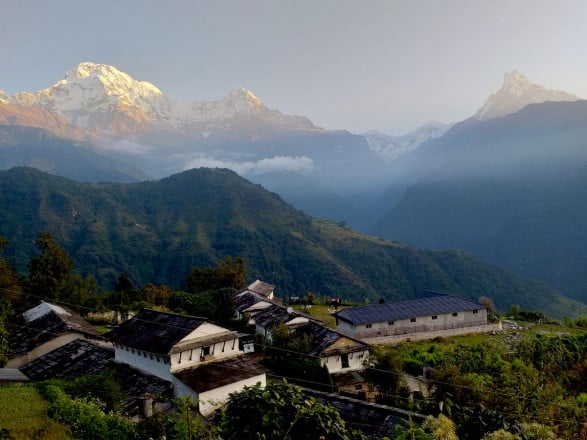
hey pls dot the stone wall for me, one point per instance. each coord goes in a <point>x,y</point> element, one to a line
<point>422,336</point>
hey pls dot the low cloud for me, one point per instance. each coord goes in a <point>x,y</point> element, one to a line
<point>126,146</point>
<point>299,164</point>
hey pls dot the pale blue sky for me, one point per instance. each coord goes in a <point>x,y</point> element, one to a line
<point>356,65</point>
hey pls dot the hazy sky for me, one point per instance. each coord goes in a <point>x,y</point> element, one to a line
<point>358,65</point>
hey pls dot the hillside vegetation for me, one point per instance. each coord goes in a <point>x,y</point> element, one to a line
<point>156,231</point>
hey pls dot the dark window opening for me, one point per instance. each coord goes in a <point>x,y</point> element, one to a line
<point>434,317</point>
<point>413,320</point>
<point>344,360</point>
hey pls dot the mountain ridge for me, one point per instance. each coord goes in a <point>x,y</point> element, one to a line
<point>155,231</point>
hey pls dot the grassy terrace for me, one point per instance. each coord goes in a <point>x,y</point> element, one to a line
<point>23,412</point>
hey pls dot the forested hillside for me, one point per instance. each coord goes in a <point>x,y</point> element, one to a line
<point>156,231</point>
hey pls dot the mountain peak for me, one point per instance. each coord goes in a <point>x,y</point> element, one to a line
<point>243,97</point>
<point>514,79</point>
<point>516,93</point>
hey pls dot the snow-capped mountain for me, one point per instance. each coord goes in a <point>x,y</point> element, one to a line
<point>98,96</point>
<point>391,147</point>
<point>516,93</point>
<point>4,98</point>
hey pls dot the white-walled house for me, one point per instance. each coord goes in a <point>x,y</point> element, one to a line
<point>167,344</point>
<point>262,288</point>
<point>336,351</point>
<point>42,329</point>
<point>434,312</point>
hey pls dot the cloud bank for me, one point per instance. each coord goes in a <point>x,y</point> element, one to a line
<point>299,164</point>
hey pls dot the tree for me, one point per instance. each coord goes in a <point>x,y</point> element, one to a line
<point>228,273</point>
<point>10,289</point>
<point>281,411</point>
<point>50,271</point>
<point>157,295</point>
<point>386,373</point>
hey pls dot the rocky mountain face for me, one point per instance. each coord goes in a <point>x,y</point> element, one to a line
<point>516,93</point>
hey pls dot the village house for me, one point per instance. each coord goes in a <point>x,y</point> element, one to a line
<point>264,289</point>
<point>336,351</point>
<point>183,350</point>
<point>43,329</point>
<point>434,312</point>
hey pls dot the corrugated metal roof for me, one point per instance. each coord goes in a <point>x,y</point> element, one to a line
<point>431,305</point>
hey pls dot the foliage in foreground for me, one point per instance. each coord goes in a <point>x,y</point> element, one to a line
<point>23,414</point>
<point>86,417</point>
<point>281,411</point>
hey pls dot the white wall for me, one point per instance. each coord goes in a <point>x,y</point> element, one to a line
<point>210,400</point>
<point>149,363</point>
<point>43,349</point>
<point>192,357</point>
<point>356,362</point>
<point>421,324</point>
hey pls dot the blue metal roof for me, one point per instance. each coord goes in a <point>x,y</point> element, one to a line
<point>396,311</point>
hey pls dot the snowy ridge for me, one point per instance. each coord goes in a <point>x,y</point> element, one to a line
<point>91,90</point>
<point>392,147</point>
<point>516,93</point>
<point>4,98</point>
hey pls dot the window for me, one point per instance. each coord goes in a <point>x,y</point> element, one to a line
<point>368,325</point>
<point>413,320</point>
<point>223,345</point>
<point>390,322</point>
<point>344,360</point>
<point>180,353</point>
<point>455,314</point>
<point>204,352</point>
<point>475,312</point>
<point>434,317</point>
<point>191,354</point>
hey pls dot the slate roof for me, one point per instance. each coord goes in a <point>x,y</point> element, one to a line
<point>211,375</point>
<point>262,288</point>
<point>372,419</point>
<point>154,331</point>
<point>323,337</point>
<point>41,324</point>
<point>245,299</point>
<point>80,357</point>
<point>8,375</point>
<point>272,317</point>
<point>436,304</point>
<point>77,358</point>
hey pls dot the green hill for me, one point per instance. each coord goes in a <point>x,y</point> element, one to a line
<point>156,231</point>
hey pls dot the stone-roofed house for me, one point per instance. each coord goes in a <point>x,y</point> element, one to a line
<point>434,312</point>
<point>172,346</point>
<point>41,330</point>
<point>249,303</point>
<point>81,357</point>
<point>211,383</point>
<point>262,288</point>
<point>77,358</point>
<point>336,351</point>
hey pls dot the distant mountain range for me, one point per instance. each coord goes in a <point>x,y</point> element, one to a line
<point>511,190</point>
<point>134,124</point>
<point>156,231</point>
<point>490,184</point>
